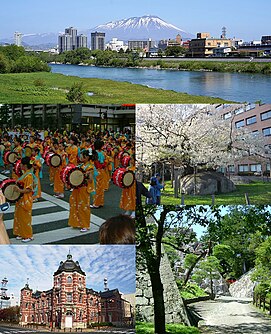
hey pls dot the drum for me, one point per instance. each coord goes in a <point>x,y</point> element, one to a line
<point>9,189</point>
<point>28,151</point>
<point>125,161</point>
<point>73,176</point>
<point>123,178</point>
<point>53,159</point>
<point>17,168</point>
<point>10,157</point>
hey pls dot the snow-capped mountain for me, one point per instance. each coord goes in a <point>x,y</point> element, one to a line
<point>133,28</point>
<point>143,27</point>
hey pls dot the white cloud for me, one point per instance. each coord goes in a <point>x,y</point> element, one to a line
<point>38,263</point>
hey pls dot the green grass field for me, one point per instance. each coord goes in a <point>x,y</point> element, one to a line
<point>259,193</point>
<point>52,88</point>
<point>147,328</point>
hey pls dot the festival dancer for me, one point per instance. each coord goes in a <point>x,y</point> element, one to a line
<point>101,178</point>
<point>72,150</point>
<point>80,198</point>
<point>37,166</point>
<point>58,184</point>
<point>22,227</point>
<point>128,195</point>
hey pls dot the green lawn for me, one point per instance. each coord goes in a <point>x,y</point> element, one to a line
<point>259,193</point>
<point>147,328</point>
<point>52,88</point>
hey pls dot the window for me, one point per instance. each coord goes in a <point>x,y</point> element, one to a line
<point>227,115</point>
<point>231,168</point>
<point>256,168</point>
<point>239,111</point>
<point>243,168</point>
<point>69,297</point>
<point>69,279</point>
<point>266,115</point>
<point>251,120</point>
<point>267,132</point>
<point>268,167</point>
<point>239,124</point>
<point>256,133</point>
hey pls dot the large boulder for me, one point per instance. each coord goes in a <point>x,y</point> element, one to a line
<point>207,183</point>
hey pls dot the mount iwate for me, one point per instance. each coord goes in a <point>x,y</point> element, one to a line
<point>133,28</point>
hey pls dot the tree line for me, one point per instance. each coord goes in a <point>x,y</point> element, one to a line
<point>15,59</point>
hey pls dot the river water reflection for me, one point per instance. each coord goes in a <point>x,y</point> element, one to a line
<point>238,87</point>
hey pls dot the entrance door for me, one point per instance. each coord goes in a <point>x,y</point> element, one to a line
<point>68,321</point>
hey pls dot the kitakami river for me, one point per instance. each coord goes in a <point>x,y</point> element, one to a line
<point>238,87</point>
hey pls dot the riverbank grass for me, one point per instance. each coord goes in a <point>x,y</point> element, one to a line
<point>147,328</point>
<point>45,87</point>
<point>258,192</point>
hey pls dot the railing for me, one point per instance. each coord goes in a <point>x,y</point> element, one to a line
<point>262,302</point>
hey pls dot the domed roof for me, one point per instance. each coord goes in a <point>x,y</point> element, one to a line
<point>69,266</point>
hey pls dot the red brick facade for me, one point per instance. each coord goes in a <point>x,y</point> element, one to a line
<point>69,304</point>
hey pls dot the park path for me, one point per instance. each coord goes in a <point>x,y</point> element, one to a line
<point>228,315</point>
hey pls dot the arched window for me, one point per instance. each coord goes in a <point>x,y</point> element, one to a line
<point>69,279</point>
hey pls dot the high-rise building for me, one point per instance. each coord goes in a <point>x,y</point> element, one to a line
<point>71,41</point>
<point>73,33</point>
<point>81,41</point>
<point>97,40</point>
<point>18,38</point>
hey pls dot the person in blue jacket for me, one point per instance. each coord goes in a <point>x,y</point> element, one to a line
<point>158,188</point>
<point>152,191</point>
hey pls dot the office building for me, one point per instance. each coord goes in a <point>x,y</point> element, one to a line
<point>97,41</point>
<point>71,41</point>
<point>18,38</point>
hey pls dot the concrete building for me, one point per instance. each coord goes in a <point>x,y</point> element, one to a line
<point>97,41</point>
<point>70,304</point>
<point>18,38</point>
<point>203,45</point>
<point>141,44</point>
<point>77,117</point>
<point>70,40</point>
<point>116,45</point>
<point>256,118</point>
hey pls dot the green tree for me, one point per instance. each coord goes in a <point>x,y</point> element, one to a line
<point>76,93</point>
<point>209,269</point>
<point>13,52</point>
<point>4,64</point>
<point>26,64</point>
<point>174,51</point>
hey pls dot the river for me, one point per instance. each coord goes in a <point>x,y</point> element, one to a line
<point>237,87</point>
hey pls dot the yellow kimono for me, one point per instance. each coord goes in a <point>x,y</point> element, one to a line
<point>58,184</point>
<point>101,185</point>
<point>72,154</point>
<point>80,201</point>
<point>23,209</point>
<point>128,196</point>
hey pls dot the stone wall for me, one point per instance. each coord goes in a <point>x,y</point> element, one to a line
<point>243,288</point>
<point>174,306</point>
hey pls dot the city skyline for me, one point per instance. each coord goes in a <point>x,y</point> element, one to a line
<point>191,17</point>
<point>38,264</point>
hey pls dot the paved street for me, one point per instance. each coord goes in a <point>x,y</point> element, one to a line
<point>50,217</point>
<point>19,330</point>
<point>229,315</point>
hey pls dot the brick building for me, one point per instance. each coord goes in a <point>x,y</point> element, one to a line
<point>70,304</point>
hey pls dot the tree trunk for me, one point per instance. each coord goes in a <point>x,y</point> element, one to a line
<point>158,298</point>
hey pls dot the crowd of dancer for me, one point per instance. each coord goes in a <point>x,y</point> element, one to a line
<point>95,157</point>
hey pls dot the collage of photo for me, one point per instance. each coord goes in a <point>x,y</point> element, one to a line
<point>135,167</point>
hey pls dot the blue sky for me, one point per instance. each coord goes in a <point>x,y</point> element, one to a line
<point>244,19</point>
<point>38,263</point>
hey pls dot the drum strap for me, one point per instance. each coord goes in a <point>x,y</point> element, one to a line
<point>84,167</point>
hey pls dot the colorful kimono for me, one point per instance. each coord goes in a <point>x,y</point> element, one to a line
<point>23,209</point>
<point>58,184</point>
<point>80,201</point>
<point>101,179</point>
<point>128,196</point>
<point>72,152</point>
